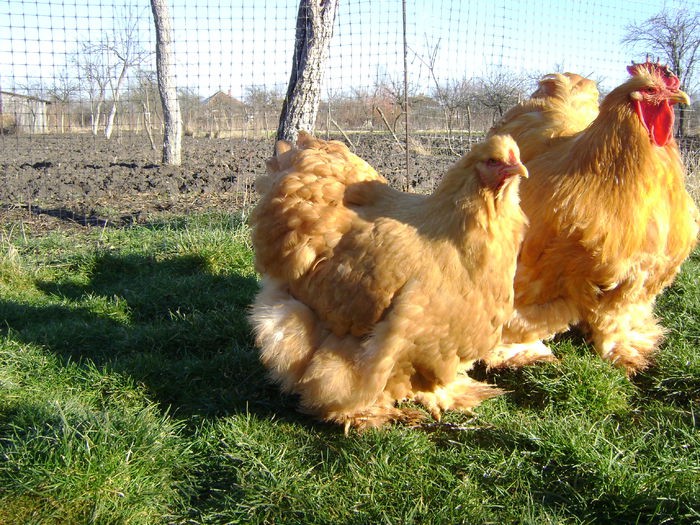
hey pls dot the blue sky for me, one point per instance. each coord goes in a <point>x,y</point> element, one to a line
<point>243,43</point>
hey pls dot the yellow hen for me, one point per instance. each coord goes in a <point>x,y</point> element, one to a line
<point>371,295</point>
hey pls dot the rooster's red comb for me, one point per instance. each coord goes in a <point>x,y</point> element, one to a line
<point>671,80</point>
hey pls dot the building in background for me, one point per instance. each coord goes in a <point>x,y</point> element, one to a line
<point>22,113</point>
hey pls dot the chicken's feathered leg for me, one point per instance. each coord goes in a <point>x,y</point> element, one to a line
<point>464,393</point>
<point>625,331</point>
<point>515,355</point>
<point>523,334</point>
<point>621,326</point>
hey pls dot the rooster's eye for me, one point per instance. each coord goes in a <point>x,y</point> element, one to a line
<point>650,90</point>
<point>492,162</point>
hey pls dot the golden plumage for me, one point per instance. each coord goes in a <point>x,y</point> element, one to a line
<point>562,105</point>
<point>371,295</point>
<point>610,218</point>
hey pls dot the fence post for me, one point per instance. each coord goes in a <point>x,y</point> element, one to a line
<point>315,21</point>
<point>172,119</point>
<point>405,95</point>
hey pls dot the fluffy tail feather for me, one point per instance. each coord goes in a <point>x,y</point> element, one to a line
<point>286,331</point>
<point>339,378</point>
<point>275,165</point>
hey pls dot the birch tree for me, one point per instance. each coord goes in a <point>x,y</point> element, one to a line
<point>96,72</point>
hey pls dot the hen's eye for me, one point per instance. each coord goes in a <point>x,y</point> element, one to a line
<point>492,162</point>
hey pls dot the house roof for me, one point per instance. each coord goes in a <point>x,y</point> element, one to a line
<point>26,97</point>
<point>220,98</point>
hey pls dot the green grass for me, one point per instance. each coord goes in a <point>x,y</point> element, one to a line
<point>130,393</point>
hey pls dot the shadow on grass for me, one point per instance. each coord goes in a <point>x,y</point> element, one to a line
<point>679,388</point>
<point>170,324</point>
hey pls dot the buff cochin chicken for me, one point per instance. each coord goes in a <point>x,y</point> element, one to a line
<point>371,296</point>
<point>611,221</point>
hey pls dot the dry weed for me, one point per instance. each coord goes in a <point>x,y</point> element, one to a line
<point>418,147</point>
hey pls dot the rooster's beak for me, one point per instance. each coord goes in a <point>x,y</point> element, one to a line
<point>681,97</point>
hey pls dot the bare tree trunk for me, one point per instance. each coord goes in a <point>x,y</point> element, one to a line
<point>682,119</point>
<point>449,122</point>
<point>407,186</point>
<point>115,100</point>
<point>172,118</point>
<point>95,115</point>
<point>469,125</point>
<point>147,123</point>
<point>110,118</point>
<point>315,21</point>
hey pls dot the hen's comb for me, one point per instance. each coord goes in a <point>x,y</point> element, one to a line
<point>671,80</point>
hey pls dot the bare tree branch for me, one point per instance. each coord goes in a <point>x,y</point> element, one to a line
<point>391,130</point>
<point>672,36</point>
<point>124,44</point>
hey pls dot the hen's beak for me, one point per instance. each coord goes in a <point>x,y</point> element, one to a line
<point>515,169</point>
<point>680,97</point>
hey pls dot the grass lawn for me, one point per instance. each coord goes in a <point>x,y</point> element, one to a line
<point>130,392</point>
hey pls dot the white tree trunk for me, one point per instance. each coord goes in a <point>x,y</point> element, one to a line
<point>315,21</point>
<point>110,119</point>
<point>95,115</point>
<point>115,100</point>
<point>147,123</point>
<point>172,139</point>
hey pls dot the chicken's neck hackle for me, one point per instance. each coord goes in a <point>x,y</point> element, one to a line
<point>462,210</point>
<point>614,183</point>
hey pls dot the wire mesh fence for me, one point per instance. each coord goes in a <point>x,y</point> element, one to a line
<point>431,76</point>
<point>83,66</point>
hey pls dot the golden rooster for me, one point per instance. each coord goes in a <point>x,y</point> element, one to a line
<point>610,219</point>
<point>370,295</point>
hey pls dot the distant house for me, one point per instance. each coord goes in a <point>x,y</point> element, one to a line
<point>25,113</point>
<point>221,100</point>
<point>222,114</point>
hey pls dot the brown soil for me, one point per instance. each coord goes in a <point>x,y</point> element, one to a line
<point>80,181</point>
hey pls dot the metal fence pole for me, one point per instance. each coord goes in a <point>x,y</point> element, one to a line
<point>405,93</point>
